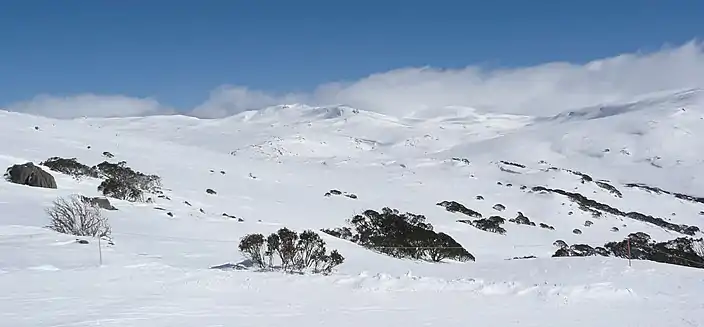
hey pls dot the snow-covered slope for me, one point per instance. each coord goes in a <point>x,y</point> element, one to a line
<point>272,168</point>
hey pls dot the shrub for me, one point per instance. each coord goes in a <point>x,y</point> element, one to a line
<point>121,189</point>
<point>124,183</point>
<point>75,216</point>
<point>400,235</point>
<point>290,252</point>
<point>70,167</point>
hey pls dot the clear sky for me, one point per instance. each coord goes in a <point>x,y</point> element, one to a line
<point>179,51</point>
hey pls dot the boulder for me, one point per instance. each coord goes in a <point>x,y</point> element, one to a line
<point>30,175</point>
<point>100,202</point>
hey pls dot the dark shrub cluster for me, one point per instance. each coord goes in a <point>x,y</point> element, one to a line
<point>546,226</point>
<point>338,192</point>
<point>658,190</point>
<point>491,224</point>
<point>454,206</point>
<point>122,182</point>
<point>70,167</point>
<point>522,220</point>
<point>401,235</point>
<point>683,251</point>
<point>288,251</point>
<point>592,205</point>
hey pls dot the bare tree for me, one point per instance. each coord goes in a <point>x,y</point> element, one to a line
<point>75,216</point>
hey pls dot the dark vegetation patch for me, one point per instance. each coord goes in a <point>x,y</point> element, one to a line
<point>683,251</point>
<point>546,226</point>
<point>512,164</point>
<point>338,192</point>
<point>523,257</point>
<point>290,252</point>
<point>491,224</point>
<point>70,167</point>
<point>658,190</point>
<point>119,180</point>
<point>454,206</point>
<point>123,182</point>
<point>613,190</point>
<point>588,204</point>
<point>522,220</point>
<point>400,235</point>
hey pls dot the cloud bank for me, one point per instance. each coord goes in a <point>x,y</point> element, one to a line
<point>538,90</point>
<point>90,105</point>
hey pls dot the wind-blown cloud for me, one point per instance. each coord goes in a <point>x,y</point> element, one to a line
<point>538,90</point>
<point>90,105</point>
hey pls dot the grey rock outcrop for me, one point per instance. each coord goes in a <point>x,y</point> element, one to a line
<point>30,175</point>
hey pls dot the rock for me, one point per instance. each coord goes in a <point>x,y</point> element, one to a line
<point>576,231</point>
<point>210,191</point>
<point>100,202</point>
<point>499,207</point>
<point>30,175</point>
<point>588,223</point>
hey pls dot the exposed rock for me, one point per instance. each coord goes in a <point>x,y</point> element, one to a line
<point>588,223</point>
<point>210,191</point>
<point>100,202</point>
<point>499,207</point>
<point>577,231</point>
<point>30,175</point>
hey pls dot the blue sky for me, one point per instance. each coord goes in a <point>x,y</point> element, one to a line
<point>179,51</point>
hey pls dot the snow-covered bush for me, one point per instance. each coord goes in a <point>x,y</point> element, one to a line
<point>76,216</point>
<point>124,183</point>
<point>400,235</point>
<point>70,167</point>
<point>288,251</point>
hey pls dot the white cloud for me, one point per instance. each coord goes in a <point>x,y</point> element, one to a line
<point>90,105</point>
<point>227,100</point>
<point>539,90</point>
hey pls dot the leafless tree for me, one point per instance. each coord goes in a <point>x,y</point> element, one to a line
<point>75,216</point>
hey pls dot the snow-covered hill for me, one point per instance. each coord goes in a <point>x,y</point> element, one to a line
<point>273,167</point>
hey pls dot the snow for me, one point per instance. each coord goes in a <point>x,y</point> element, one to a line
<point>278,162</point>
